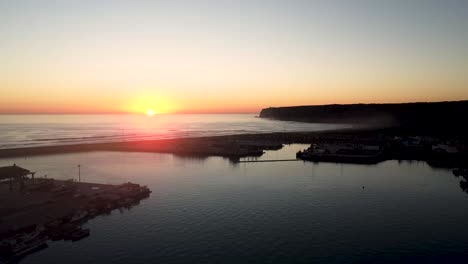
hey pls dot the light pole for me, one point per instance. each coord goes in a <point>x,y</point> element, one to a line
<point>79,173</point>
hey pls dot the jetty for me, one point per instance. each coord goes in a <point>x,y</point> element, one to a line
<point>271,160</point>
<point>35,210</point>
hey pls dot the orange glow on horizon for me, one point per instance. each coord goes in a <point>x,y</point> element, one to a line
<point>192,58</point>
<point>151,107</point>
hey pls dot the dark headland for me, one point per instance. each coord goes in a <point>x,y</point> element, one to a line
<point>435,132</point>
<point>425,118</point>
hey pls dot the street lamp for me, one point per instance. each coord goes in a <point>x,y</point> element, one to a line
<point>79,173</point>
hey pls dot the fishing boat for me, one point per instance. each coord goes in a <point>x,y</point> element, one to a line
<point>79,234</point>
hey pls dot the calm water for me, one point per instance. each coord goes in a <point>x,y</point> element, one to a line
<point>213,211</point>
<point>42,130</point>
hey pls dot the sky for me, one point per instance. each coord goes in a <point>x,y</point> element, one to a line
<point>228,56</point>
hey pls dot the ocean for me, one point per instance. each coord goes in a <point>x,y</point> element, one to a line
<point>46,130</point>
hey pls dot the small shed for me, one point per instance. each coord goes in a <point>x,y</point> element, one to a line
<point>14,173</point>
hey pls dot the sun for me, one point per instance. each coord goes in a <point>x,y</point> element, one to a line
<point>150,112</point>
<point>149,106</point>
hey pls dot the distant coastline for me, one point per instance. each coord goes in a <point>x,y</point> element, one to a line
<point>424,118</point>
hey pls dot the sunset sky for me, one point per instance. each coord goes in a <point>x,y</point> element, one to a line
<point>228,56</point>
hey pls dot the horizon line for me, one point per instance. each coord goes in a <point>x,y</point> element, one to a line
<point>220,112</point>
<point>124,113</point>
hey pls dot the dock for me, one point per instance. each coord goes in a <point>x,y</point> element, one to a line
<point>36,210</point>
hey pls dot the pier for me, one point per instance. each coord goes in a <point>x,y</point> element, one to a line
<point>277,160</point>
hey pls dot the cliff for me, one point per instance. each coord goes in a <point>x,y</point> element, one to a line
<point>431,117</point>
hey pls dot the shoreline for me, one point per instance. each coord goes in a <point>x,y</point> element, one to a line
<point>234,147</point>
<point>196,146</point>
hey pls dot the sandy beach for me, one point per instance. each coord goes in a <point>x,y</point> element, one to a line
<point>224,146</point>
<point>218,146</point>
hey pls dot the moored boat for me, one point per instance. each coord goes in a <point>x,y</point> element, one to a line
<point>460,172</point>
<point>79,234</point>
